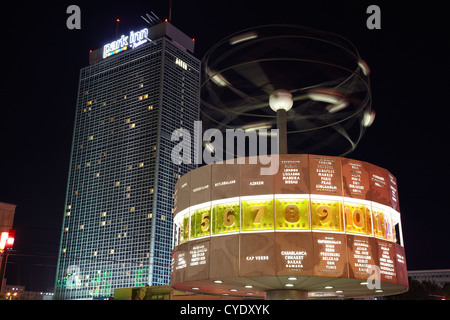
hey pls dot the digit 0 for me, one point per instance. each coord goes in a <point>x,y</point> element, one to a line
<point>357,218</point>
<point>354,217</point>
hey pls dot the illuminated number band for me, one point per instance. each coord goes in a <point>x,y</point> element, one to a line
<point>286,214</point>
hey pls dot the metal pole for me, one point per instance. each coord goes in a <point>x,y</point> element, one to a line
<point>282,131</point>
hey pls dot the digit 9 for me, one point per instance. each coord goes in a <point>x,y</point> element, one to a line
<point>325,214</point>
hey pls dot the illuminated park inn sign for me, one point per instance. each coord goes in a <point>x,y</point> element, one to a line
<point>134,40</point>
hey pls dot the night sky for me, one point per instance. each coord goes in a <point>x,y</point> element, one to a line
<point>41,59</point>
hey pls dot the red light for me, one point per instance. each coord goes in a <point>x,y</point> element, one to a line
<point>165,20</point>
<point>10,240</point>
<point>90,51</point>
<point>193,39</point>
<point>118,20</point>
<point>3,239</point>
<point>7,239</point>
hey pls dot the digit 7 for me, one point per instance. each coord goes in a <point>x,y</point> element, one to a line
<point>259,213</point>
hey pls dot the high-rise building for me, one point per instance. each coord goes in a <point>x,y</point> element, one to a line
<point>117,228</point>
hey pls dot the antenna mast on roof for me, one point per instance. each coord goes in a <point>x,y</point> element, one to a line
<point>170,10</point>
<point>151,19</point>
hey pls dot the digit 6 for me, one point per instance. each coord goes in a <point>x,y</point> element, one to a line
<point>228,217</point>
<point>291,215</point>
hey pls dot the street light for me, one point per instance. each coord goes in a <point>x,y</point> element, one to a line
<point>281,101</point>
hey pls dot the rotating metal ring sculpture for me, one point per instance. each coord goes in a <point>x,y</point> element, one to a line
<point>327,80</point>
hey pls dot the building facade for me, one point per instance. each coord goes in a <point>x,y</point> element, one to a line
<point>117,228</point>
<point>438,276</point>
<point>16,292</point>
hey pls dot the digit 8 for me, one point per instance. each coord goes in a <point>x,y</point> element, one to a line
<point>291,215</point>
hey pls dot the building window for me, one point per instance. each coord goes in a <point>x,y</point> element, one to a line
<point>181,63</point>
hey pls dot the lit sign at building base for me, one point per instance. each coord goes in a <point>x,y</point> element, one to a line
<point>325,225</point>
